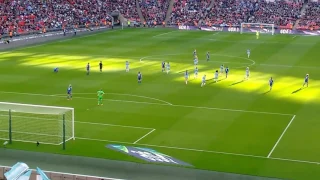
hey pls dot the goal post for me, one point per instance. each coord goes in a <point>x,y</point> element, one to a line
<point>254,27</point>
<point>36,123</point>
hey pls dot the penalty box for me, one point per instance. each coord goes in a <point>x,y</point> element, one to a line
<point>214,129</point>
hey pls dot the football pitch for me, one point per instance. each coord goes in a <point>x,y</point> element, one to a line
<point>233,125</point>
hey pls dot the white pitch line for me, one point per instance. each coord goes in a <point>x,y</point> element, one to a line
<point>205,151</point>
<point>160,104</point>
<point>60,96</point>
<point>284,131</point>
<point>55,41</point>
<point>120,94</point>
<point>295,160</point>
<point>115,125</point>
<point>163,34</point>
<point>235,110</point>
<point>89,35</point>
<point>31,141</point>
<point>144,136</point>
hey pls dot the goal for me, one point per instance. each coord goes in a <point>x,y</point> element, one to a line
<point>254,27</point>
<point>36,123</point>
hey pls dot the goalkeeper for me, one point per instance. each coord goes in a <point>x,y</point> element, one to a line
<point>100,94</point>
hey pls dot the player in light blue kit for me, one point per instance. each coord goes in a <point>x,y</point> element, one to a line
<point>196,70</point>
<point>139,77</point>
<point>88,69</point>
<point>168,67</point>
<point>247,74</point>
<point>306,81</point>
<point>56,70</point>
<point>248,53</point>
<point>221,68</point>
<point>208,56</point>
<point>195,61</point>
<point>194,53</point>
<point>271,83</point>
<point>203,81</point>
<point>69,92</point>
<point>186,76</point>
<point>227,71</point>
<point>216,76</point>
<point>127,66</point>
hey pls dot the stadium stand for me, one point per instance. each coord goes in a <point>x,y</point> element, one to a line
<point>229,12</point>
<point>126,7</point>
<point>280,13</point>
<point>311,19</point>
<point>34,15</point>
<point>190,12</point>
<point>154,10</point>
<point>20,17</point>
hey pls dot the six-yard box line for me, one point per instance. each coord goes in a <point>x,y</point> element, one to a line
<point>187,149</point>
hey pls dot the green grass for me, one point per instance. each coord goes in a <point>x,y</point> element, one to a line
<point>227,126</point>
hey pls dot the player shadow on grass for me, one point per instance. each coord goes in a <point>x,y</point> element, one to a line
<point>266,92</point>
<point>215,81</point>
<point>297,90</point>
<point>237,82</point>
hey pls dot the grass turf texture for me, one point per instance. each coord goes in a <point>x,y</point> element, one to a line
<point>201,122</point>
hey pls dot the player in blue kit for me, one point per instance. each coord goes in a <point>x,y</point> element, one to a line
<point>208,56</point>
<point>227,71</point>
<point>163,65</point>
<point>69,92</point>
<point>139,77</point>
<point>196,70</point>
<point>56,70</point>
<point>88,68</point>
<point>271,83</point>
<point>203,81</point>
<point>186,76</point>
<point>127,66</point>
<point>248,53</point>
<point>306,80</point>
<point>168,67</point>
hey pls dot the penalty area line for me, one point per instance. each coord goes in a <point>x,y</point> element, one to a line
<point>144,136</point>
<point>284,131</point>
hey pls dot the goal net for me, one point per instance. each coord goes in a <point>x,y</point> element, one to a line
<point>36,123</point>
<point>254,27</point>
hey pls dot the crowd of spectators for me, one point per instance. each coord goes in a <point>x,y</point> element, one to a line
<point>190,12</point>
<point>127,8</point>
<point>311,19</point>
<point>154,10</point>
<point>19,16</point>
<point>234,12</point>
<point>280,13</point>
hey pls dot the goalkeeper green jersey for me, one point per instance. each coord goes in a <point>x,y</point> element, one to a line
<point>100,93</point>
